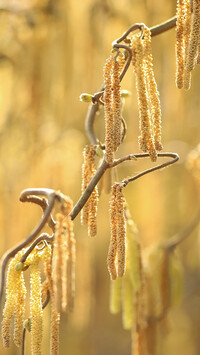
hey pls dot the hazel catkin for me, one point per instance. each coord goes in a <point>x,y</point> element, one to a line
<point>116,259</point>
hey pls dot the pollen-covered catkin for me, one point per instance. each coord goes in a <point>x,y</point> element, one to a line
<point>180,44</point>
<point>20,311</point>
<point>146,140</point>
<point>89,211</point>
<point>15,302</point>
<point>187,27</point>
<point>112,251</point>
<point>121,232</point>
<point>69,267</point>
<point>116,259</point>
<point>55,316</point>
<point>108,112</point>
<point>36,309</point>
<point>116,104</point>
<point>194,35</point>
<point>152,90</point>
<point>58,262</point>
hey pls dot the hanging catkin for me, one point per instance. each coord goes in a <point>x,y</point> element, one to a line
<point>152,90</point>
<point>187,27</point>
<point>109,120</point>
<point>180,44</point>
<point>15,302</point>
<point>194,35</point>
<point>146,139</point>
<point>117,249</point>
<point>121,232</point>
<point>116,105</point>
<point>112,251</point>
<point>89,211</point>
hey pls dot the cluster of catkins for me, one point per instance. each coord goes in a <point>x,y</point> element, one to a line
<point>187,41</point>
<point>152,283</point>
<point>59,267</point>
<point>148,96</point>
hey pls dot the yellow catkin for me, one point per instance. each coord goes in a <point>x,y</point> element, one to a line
<point>187,26</point>
<point>15,302</point>
<point>121,61</point>
<point>176,279</point>
<point>198,50</point>
<point>133,255</point>
<point>58,262</point>
<point>116,104</point>
<point>20,311</point>
<point>146,141</point>
<point>109,122</point>
<point>180,44</point>
<point>36,309</point>
<point>55,316</point>
<point>69,267</point>
<point>128,311</point>
<point>121,232</point>
<point>89,211</point>
<point>194,35</point>
<point>152,90</point>
<point>112,251</point>
<point>115,295</point>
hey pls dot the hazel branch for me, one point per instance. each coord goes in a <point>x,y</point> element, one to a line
<point>157,167</point>
<point>93,108</point>
<point>51,195</point>
<point>41,238</point>
<point>42,202</point>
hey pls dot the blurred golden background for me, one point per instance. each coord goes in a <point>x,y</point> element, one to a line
<point>50,53</point>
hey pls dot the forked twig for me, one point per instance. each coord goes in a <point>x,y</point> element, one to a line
<point>51,195</point>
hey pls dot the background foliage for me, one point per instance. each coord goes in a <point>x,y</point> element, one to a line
<point>51,52</point>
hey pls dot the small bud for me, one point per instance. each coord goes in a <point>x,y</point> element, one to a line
<point>125,94</point>
<point>19,266</point>
<point>86,97</point>
<point>27,324</point>
<point>99,151</point>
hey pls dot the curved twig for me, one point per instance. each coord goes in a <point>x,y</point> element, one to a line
<point>51,195</point>
<point>42,237</point>
<point>42,202</point>
<point>157,167</point>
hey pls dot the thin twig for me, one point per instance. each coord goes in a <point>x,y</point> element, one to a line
<point>157,167</point>
<point>51,195</point>
<point>42,237</point>
<point>42,202</point>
